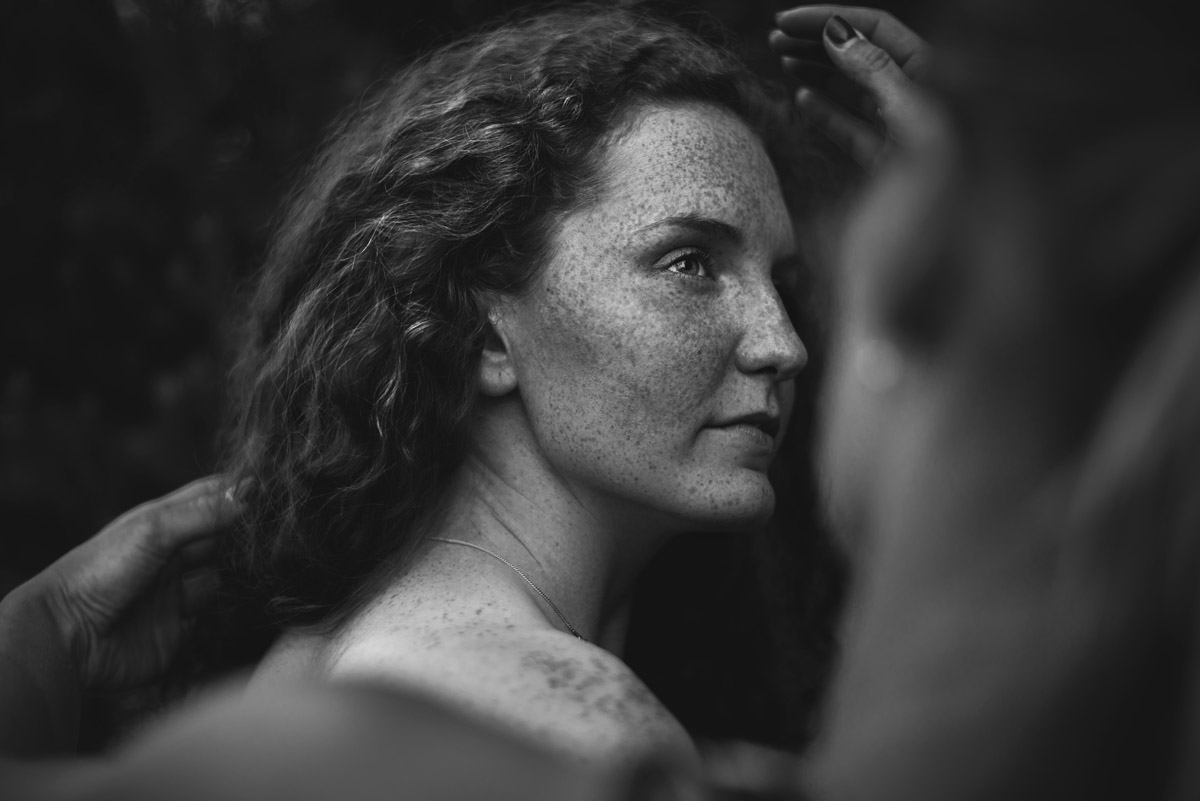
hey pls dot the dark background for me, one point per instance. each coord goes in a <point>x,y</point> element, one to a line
<point>146,146</point>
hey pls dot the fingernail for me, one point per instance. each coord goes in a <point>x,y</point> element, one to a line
<point>838,31</point>
<point>237,493</point>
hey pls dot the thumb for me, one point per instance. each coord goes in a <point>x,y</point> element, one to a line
<point>873,69</point>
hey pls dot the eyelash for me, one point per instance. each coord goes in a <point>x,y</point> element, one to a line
<point>693,254</point>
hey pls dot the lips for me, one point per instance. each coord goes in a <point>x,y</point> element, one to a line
<point>763,421</point>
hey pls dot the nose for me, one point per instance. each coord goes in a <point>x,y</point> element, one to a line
<point>769,343</point>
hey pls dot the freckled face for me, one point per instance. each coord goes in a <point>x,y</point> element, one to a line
<point>654,356</point>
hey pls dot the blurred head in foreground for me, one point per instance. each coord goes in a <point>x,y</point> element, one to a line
<point>1019,342</point>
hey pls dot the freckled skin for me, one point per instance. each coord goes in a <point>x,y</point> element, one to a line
<point>622,364</point>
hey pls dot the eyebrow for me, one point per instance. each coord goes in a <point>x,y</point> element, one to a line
<point>703,225</point>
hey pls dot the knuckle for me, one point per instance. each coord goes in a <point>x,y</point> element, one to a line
<point>872,58</point>
<point>212,508</point>
<point>147,528</point>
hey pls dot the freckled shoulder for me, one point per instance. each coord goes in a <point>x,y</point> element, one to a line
<point>568,695</point>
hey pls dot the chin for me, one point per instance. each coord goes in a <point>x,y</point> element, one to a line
<point>740,501</point>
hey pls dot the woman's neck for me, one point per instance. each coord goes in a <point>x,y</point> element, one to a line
<point>582,550</point>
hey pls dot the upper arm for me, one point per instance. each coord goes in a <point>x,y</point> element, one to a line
<point>569,696</point>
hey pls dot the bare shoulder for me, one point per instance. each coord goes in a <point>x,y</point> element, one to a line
<point>567,694</point>
<point>596,695</point>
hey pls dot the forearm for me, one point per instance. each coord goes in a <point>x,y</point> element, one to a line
<point>39,684</point>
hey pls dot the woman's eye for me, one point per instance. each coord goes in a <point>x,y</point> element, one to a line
<point>694,264</point>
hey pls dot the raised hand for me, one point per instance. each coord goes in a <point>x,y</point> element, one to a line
<point>859,70</point>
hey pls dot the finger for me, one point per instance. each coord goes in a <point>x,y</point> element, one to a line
<point>201,486</point>
<point>906,48</point>
<point>188,493</point>
<point>198,552</point>
<point>812,49</point>
<point>198,589</point>
<point>166,525</point>
<point>899,100</point>
<point>834,85</point>
<point>860,141</point>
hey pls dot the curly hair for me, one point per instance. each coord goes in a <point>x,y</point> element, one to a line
<point>363,334</point>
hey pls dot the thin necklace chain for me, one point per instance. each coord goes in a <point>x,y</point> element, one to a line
<point>519,572</point>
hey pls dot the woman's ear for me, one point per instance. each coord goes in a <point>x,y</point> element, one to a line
<point>497,373</point>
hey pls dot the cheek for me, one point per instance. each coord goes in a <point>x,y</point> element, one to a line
<point>646,362</point>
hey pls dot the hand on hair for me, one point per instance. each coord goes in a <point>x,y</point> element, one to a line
<point>109,614</point>
<point>867,66</point>
<point>122,598</point>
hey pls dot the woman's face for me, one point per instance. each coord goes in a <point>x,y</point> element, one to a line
<point>653,355</point>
